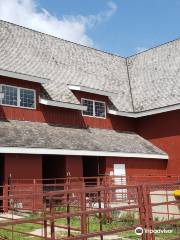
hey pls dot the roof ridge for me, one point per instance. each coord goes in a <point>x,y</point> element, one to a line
<point>65,40</point>
<point>157,46</point>
<point>93,48</point>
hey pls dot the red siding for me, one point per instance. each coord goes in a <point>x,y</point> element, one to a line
<point>22,166</point>
<point>136,166</point>
<point>163,130</point>
<point>74,166</point>
<point>111,122</point>
<point>61,116</point>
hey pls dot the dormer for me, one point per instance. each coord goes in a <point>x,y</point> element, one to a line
<point>19,90</point>
<point>95,100</point>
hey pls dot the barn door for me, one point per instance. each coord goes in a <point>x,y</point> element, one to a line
<point>120,179</point>
<point>119,170</point>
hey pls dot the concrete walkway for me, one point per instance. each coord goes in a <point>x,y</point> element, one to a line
<point>62,232</point>
<point>9,216</point>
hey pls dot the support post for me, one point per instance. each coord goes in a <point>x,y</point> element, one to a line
<point>52,219</point>
<point>45,220</point>
<point>83,215</point>
<point>145,210</point>
<point>68,218</point>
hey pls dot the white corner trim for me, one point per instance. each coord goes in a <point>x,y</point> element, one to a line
<point>62,104</point>
<point>91,90</point>
<point>145,113</point>
<point>19,150</point>
<point>21,76</point>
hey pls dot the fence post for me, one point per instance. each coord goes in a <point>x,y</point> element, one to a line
<point>99,205</point>
<point>45,220</point>
<point>145,210</point>
<point>5,198</point>
<point>33,195</point>
<point>52,219</point>
<point>83,214</point>
<point>148,211</point>
<point>141,209</point>
<point>68,218</point>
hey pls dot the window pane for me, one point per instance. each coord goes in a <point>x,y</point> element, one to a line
<point>89,104</point>
<point>27,98</point>
<point>99,109</point>
<point>10,95</point>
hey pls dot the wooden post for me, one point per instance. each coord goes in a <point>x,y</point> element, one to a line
<point>100,214</point>
<point>141,210</point>
<point>45,220</point>
<point>148,212</point>
<point>83,215</point>
<point>5,198</point>
<point>52,219</point>
<point>145,209</point>
<point>68,218</point>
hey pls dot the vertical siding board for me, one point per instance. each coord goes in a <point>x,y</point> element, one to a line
<point>163,130</point>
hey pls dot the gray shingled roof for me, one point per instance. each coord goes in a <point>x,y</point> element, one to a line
<point>62,62</point>
<point>153,80</point>
<point>155,77</point>
<point>41,135</point>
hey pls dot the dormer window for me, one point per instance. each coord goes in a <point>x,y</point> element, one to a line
<point>94,108</point>
<point>18,97</point>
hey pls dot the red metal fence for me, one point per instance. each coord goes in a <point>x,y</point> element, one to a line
<point>77,208</point>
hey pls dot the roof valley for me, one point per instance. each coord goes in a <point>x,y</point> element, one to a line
<point>130,88</point>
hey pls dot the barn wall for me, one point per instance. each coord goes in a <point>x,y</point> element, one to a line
<point>74,166</point>
<point>62,116</point>
<point>138,166</point>
<point>22,166</point>
<point>163,130</point>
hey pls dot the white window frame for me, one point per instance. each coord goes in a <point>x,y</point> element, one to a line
<point>18,96</point>
<point>94,116</point>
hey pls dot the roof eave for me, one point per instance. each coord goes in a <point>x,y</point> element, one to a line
<point>62,104</point>
<point>20,150</point>
<point>145,113</point>
<point>90,90</point>
<point>22,76</point>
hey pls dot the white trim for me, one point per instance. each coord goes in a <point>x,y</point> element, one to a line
<point>1,95</point>
<point>18,97</point>
<point>91,90</point>
<point>62,104</point>
<point>145,113</point>
<point>123,114</point>
<point>19,150</point>
<point>94,115</point>
<point>22,76</point>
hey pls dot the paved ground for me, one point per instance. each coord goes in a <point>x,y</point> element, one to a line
<point>10,216</point>
<point>39,232</point>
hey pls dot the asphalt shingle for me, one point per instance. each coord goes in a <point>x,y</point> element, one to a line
<point>142,82</point>
<point>29,52</point>
<point>41,135</point>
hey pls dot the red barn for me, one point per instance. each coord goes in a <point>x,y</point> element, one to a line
<point>67,109</point>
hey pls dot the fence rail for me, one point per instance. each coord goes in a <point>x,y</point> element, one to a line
<point>90,208</point>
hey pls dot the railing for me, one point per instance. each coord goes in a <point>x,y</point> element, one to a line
<point>120,179</point>
<point>77,208</point>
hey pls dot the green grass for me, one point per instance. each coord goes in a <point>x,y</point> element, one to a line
<point>25,227</point>
<point>126,219</point>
